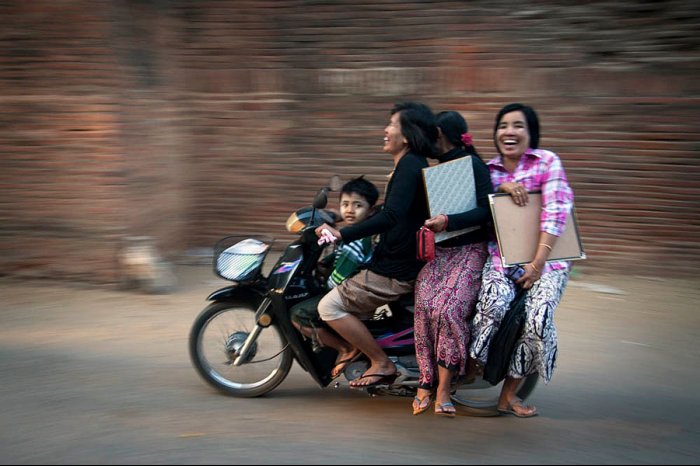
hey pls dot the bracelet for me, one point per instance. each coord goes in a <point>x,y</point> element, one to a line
<point>446,220</point>
<point>546,246</point>
<point>535,268</point>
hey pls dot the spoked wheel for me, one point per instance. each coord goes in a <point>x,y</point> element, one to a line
<point>216,340</point>
<point>481,398</point>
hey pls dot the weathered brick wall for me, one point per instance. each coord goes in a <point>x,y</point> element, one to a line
<point>90,141</point>
<point>188,121</point>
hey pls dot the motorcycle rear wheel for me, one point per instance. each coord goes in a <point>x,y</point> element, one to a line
<point>481,398</point>
<point>216,338</point>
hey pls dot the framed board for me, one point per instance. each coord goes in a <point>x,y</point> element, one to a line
<point>518,231</point>
<point>450,190</point>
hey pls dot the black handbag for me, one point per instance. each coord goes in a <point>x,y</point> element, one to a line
<point>503,343</point>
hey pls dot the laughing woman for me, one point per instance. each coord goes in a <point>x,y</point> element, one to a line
<point>522,168</point>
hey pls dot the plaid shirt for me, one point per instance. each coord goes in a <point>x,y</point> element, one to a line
<point>538,170</point>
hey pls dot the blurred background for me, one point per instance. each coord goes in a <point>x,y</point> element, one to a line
<point>185,121</point>
<point>136,133</point>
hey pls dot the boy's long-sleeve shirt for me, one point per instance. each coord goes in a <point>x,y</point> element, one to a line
<point>349,259</point>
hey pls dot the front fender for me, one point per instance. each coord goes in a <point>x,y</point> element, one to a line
<point>236,291</point>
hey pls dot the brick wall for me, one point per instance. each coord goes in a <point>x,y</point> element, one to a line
<point>188,121</point>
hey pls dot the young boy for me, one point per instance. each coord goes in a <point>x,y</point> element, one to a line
<point>357,200</point>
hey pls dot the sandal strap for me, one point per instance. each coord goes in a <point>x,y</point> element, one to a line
<point>520,403</point>
<point>445,406</point>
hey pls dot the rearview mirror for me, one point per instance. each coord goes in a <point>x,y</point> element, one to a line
<point>321,199</point>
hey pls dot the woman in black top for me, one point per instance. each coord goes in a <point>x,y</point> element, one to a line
<point>448,286</point>
<point>409,137</point>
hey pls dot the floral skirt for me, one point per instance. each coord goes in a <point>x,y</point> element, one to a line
<point>536,350</point>
<point>446,293</point>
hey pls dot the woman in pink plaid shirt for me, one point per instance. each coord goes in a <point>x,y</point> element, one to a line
<point>521,168</point>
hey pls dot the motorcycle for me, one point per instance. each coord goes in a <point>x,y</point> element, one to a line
<point>244,342</point>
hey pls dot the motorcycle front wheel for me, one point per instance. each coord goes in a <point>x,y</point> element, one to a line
<point>216,338</point>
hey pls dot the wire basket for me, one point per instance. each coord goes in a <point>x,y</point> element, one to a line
<point>240,258</point>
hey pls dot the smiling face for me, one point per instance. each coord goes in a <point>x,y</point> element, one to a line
<point>354,208</point>
<point>512,135</point>
<point>394,141</point>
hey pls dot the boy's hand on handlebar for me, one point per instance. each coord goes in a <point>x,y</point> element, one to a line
<point>327,234</point>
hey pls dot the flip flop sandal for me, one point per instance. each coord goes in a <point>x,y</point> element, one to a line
<point>421,405</point>
<point>343,364</point>
<point>384,379</point>
<point>445,409</point>
<point>510,411</point>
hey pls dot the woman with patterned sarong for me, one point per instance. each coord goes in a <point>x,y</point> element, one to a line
<point>522,168</point>
<point>447,287</point>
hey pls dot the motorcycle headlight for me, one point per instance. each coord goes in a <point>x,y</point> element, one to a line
<point>301,218</point>
<point>295,224</point>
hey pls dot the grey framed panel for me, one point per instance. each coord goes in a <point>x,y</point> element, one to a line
<point>450,190</point>
<point>518,231</point>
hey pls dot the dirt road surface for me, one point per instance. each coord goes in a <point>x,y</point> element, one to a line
<point>101,376</point>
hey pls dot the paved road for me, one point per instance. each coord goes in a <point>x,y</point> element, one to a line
<point>102,376</point>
